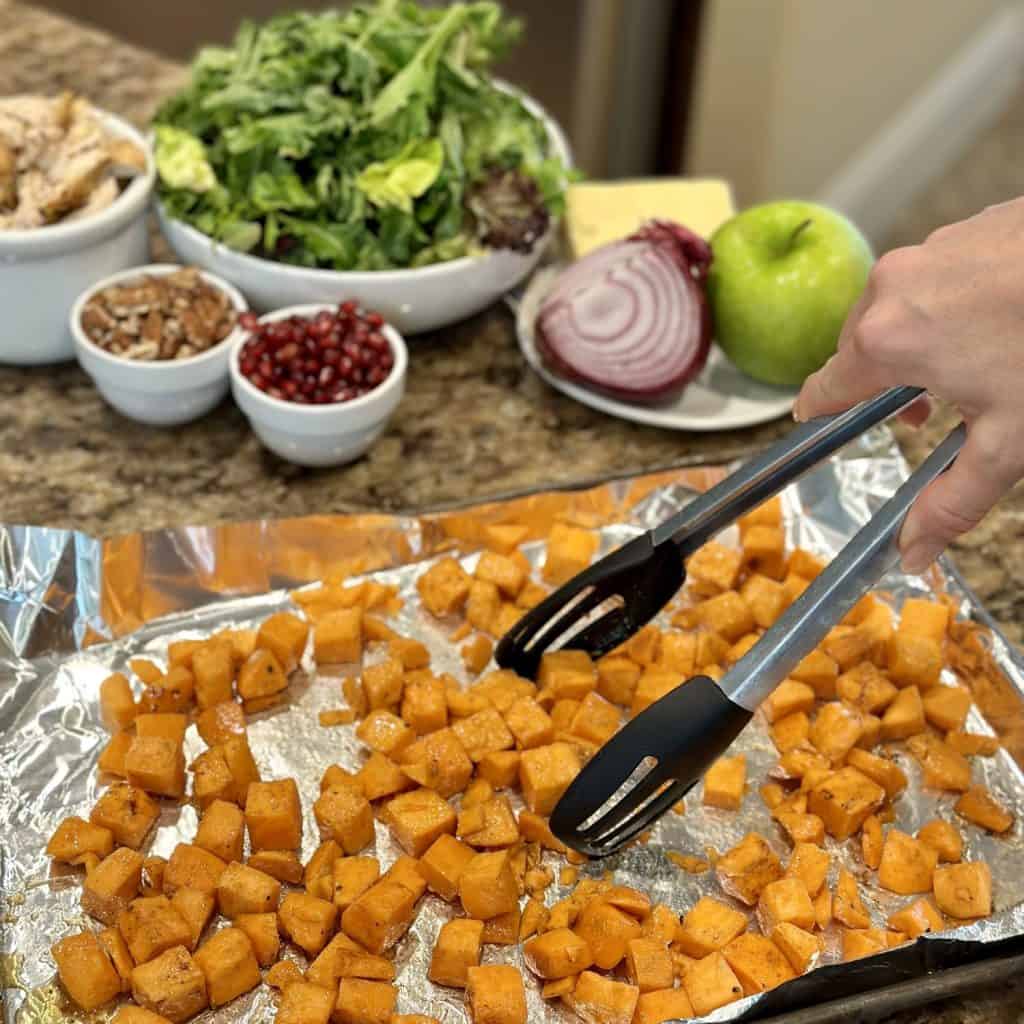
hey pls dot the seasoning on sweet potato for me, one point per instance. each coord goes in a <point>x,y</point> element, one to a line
<point>871,841</point>
<point>600,1000</point>
<point>196,907</point>
<point>757,962</point>
<point>711,983</point>
<point>881,770</point>
<point>150,926</point>
<point>907,864</point>
<point>75,837</point>
<point>221,722</point>
<point>785,900</point>
<point>345,816</point>
<point>457,949</point>
<point>229,965</point>
<point>381,916</point>
<point>916,919</point>
<point>725,782</point>
<point>972,744</point>
<point>110,886</point>
<point>847,906</point>
<point>943,838</point>
<point>607,930</point>
<point>364,1002</point>
<point>914,660</point>
<point>244,890</point>
<point>261,930</point>
<point>444,587</point>
<point>545,773</point>
<point>302,1002</point>
<point>747,868</point>
<point>307,921</point>
<point>844,800</point>
<point>559,953</point>
<point>799,946</point>
<point>941,766</point>
<point>171,985</point>
<point>649,964</point>
<point>495,995</point>
<point>337,637</point>
<point>417,818</point>
<point>127,812</point>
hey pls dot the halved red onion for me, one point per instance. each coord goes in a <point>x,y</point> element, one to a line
<point>631,318</point>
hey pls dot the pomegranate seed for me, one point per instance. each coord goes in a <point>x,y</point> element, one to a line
<point>275,393</point>
<point>248,321</point>
<point>375,376</point>
<point>387,361</point>
<point>356,376</point>
<point>326,376</point>
<point>286,353</point>
<point>256,379</point>
<point>332,357</point>
<point>374,319</point>
<point>378,342</point>
<point>290,388</point>
<point>349,307</point>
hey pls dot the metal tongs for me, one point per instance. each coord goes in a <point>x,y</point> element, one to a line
<point>652,762</point>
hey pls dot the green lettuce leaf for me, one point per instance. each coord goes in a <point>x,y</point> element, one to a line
<point>181,160</point>
<point>403,178</point>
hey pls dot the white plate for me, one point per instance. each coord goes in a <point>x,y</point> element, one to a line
<point>721,398</point>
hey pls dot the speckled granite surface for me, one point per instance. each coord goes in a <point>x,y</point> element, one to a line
<point>475,422</point>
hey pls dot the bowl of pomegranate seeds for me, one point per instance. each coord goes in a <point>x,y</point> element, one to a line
<point>318,383</point>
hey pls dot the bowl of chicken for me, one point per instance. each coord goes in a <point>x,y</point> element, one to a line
<point>75,185</point>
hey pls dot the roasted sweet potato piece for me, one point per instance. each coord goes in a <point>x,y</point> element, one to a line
<point>560,953</point>
<point>649,965</point>
<point>156,765</point>
<point>766,598</point>
<point>907,864</point>
<point>242,765</point>
<point>222,830</point>
<point>946,707</point>
<point>150,926</point>
<point>417,818</point>
<point>964,890</point>
<point>866,688</point>
<point>213,672</point>
<point>244,890</point>
<point>757,962</point>
<point>364,1002</point>
<point>303,1002</point>
<point>261,930</point>
<point>545,773</point>
<point>529,723</point>
<point>171,985</point>
<point>654,684</point>
<point>972,744</point>
<point>914,660</point>
<point>285,636</point>
<point>725,782</point>
<point>810,864</point>
<point>284,865</point>
<point>798,946</point>
<point>922,617</point>
<point>847,906</point>
<point>844,800</point>
<point>820,672</point>
<point>862,942</point>
<point>117,703</point>
<point>871,841</point>
<point>943,838</point>
<point>917,919</point>
<point>941,766</point>
<point>567,674</point>
<point>127,812</point>
<point>600,1000</point>
<point>116,948</point>
<point>381,916</point>
<point>880,770</point>
<point>345,816</point>
<point>980,808</point>
<point>835,730</point>
<point>662,1005</point>
<point>444,587</point>
<point>713,568</point>
<point>338,637</point>
<point>487,886</point>
<point>607,930</point>
<point>85,971</point>
<point>273,815</point>
<point>194,868</point>
<point>196,907</point>
<point>785,900</point>
<point>75,837</point>
<point>747,868</point>
<point>569,551</point>
<point>351,877</point>
<point>229,965</point>
<point>617,678</point>
<point>490,824</point>
<point>500,768</point>
<point>111,885</point>
<point>307,921</point>
<point>221,722</point>
<point>456,950</point>
<point>711,983</point>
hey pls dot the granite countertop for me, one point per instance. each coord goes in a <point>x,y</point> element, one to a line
<point>475,422</point>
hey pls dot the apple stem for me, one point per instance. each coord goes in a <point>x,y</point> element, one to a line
<point>796,232</point>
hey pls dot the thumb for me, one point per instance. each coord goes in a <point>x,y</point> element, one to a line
<point>953,504</point>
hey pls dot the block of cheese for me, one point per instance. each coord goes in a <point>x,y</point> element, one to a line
<point>600,212</point>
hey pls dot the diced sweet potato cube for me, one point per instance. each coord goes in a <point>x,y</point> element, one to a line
<point>708,926</point>
<point>865,687</point>
<point>649,964</point>
<point>444,587</point>
<point>785,900</point>
<point>788,697</point>
<point>424,707</point>
<point>531,595</point>
<point>212,779</point>
<point>607,930</point>
<point>871,841</point>
<point>617,679</point>
<point>307,921</point>
<point>438,761</point>
<point>116,948</point>
<point>545,773</point>
<point>150,926</point>
<point>382,684</point>
<point>443,864</point>
<point>503,688</point>
<point>286,973</point>
<point>500,768</point>
<point>763,549</point>
<point>194,868</point>
<point>156,765</point>
<point>85,971</point>
<point>964,891</point>
<point>285,636</point>
<point>529,723</point>
<point>823,909</point>
<point>757,962</point>
<point>317,873</point>
<point>220,722</point>
<point>477,653</point>
<point>913,660</point>
<point>798,946</point>
<point>907,864</point>
<point>502,930</point>
<point>941,766</point>
<point>791,732</point>
<point>338,636</point>
<point>747,868</point>
<point>980,808</point>
<point>569,551</point>
<point>417,818</point>
<point>599,1000</point>
<point>766,598</point>
<point>678,654</point>
<point>335,960</point>
<point>284,865</point>
<point>165,725</point>
<point>304,1003</point>
<point>364,1002</point>
<point>881,770</point>
<point>507,574</point>
<point>653,685</point>
<point>504,537</point>
<point>273,815</point>
<point>229,965</point>
<point>567,674</point>
<point>972,744</point>
<point>803,563</point>
<point>242,766</point>
<point>487,885</point>
<point>727,614</point>
<point>261,930</point>
<point>835,730</point>
<point>117,703</point>
<point>244,890</point>
<point>112,884</point>
<point>562,714</point>
<point>595,720</point>
<point>381,916</point>
<point>560,953</point>
<point>944,839</point>
<point>924,618</point>
<point>862,942</point>
<point>711,983</point>
<point>111,759</point>
<point>75,837</point>
<point>946,707</point>
<point>725,782</point>
<point>847,906</point>
<point>488,824</point>
<point>127,812</point>
<point>713,568</point>
<point>483,605</point>
<point>535,829</point>
<point>663,1005</point>
<point>222,830</point>
<point>171,985</point>
<point>196,907</point>
<point>171,692</point>
<point>345,816</point>
<point>351,877</point>
<point>844,800</point>
<point>456,950</point>
<point>495,995</point>
<point>917,919</point>
<point>213,672</point>
<point>483,733</point>
<point>261,676</point>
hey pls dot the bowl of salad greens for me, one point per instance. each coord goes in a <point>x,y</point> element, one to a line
<point>366,154</point>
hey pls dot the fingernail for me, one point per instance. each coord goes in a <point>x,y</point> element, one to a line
<point>797,414</point>
<point>919,556</point>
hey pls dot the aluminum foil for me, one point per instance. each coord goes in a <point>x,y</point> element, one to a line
<point>74,609</point>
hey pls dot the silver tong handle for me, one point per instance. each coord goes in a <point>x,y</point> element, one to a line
<point>780,464</point>
<point>854,571</point>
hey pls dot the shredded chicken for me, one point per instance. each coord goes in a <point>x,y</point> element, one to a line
<point>58,161</point>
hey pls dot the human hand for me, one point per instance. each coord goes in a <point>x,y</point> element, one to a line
<point>948,316</point>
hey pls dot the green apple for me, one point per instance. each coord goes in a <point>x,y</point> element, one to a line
<point>783,278</point>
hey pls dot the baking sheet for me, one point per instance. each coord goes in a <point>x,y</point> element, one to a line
<point>73,609</point>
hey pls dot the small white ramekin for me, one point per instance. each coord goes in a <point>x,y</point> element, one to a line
<point>162,393</point>
<point>319,435</point>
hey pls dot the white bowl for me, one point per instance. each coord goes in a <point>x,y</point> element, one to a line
<point>415,300</point>
<point>163,393</point>
<point>319,435</point>
<point>43,269</point>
